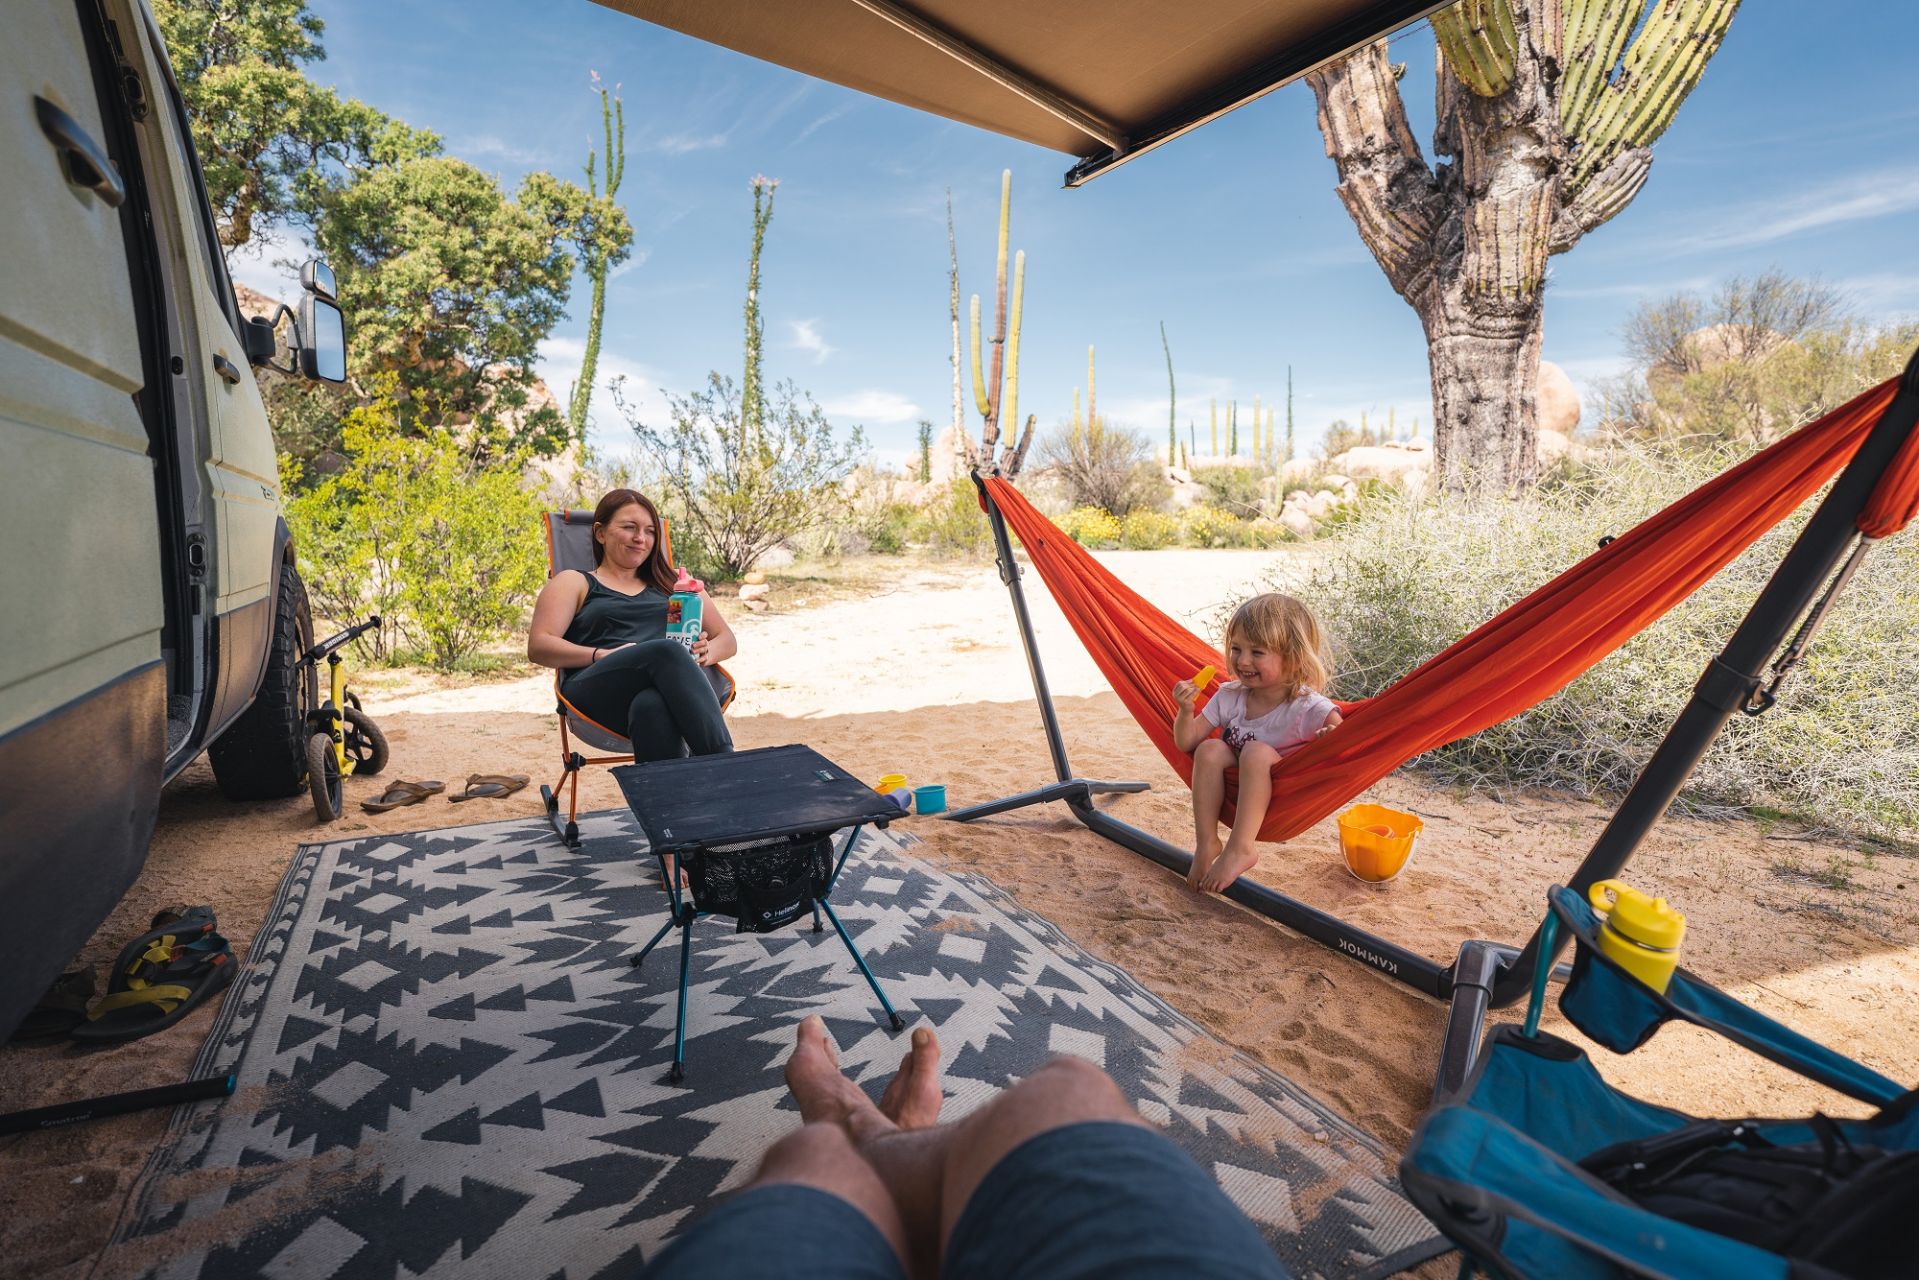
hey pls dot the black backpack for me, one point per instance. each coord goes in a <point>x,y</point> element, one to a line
<point>1836,1208</point>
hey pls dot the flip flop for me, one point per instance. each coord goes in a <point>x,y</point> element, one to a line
<point>399,793</point>
<point>63,1008</point>
<point>160,977</point>
<point>490,786</point>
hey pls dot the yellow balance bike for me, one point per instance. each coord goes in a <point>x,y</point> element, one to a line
<point>342,739</point>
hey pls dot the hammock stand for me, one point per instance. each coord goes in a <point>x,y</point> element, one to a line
<point>1486,975</point>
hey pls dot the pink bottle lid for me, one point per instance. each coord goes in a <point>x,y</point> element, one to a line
<point>687,582</point>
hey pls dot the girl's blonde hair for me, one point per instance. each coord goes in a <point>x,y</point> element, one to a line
<point>1286,628</point>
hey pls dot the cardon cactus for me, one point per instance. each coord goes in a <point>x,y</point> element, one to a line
<point>1550,108</point>
<point>997,397</point>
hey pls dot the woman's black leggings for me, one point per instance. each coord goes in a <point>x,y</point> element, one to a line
<point>660,694</point>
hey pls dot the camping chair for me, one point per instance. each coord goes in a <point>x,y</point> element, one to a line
<point>1512,1171</point>
<point>569,545</point>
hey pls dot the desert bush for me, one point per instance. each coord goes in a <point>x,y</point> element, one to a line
<point>1233,489</point>
<point>1841,747</point>
<point>1090,527</point>
<point>447,551</point>
<point>1106,467</point>
<point>1207,526</point>
<point>952,524</point>
<point>1144,529</point>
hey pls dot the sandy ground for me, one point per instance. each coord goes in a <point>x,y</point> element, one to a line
<point>1822,936</point>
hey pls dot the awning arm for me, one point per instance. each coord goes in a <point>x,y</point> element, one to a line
<point>1046,99</point>
<point>1364,27</point>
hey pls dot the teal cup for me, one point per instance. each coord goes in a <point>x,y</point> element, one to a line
<point>930,799</point>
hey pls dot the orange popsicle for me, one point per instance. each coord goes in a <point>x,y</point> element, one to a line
<point>1205,675</point>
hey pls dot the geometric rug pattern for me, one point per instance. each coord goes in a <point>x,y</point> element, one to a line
<point>448,1067</point>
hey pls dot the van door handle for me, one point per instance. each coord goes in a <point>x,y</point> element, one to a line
<point>86,164</point>
<point>226,369</point>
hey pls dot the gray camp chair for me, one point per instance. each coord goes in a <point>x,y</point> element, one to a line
<point>569,545</point>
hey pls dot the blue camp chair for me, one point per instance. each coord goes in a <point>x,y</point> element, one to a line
<point>1498,1170</point>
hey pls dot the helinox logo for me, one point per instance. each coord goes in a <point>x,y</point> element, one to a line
<point>1370,957</point>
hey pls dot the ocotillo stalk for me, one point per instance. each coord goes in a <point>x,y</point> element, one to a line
<point>1212,407</point>
<point>1092,398</point>
<point>1289,412</point>
<point>960,433</point>
<point>1010,411</point>
<point>999,311</point>
<point>1172,428</point>
<point>1232,429</point>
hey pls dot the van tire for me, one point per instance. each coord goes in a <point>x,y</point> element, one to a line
<point>262,756</point>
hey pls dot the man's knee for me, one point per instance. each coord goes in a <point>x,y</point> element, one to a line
<point>1078,1090</point>
<point>806,1153</point>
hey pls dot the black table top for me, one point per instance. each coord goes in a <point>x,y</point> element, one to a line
<point>703,801</point>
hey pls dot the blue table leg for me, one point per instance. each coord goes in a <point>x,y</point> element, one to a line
<point>852,838</point>
<point>648,948</point>
<point>679,1023</point>
<point>860,960</point>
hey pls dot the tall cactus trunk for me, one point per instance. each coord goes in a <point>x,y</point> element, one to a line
<point>1485,386</point>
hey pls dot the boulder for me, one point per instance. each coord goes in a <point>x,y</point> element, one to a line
<point>1552,446</point>
<point>1558,402</point>
<point>1296,522</point>
<point>776,558</point>
<point>755,590</point>
<point>1389,462</point>
<point>1185,494</point>
<point>1297,469</point>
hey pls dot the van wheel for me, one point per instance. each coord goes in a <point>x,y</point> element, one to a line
<point>323,777</point>
<point>262,755</point>
<point>365,744</point>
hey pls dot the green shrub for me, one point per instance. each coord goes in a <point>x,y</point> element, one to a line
<point>1233,489</point>
<point>1147,530</point>
<point>1206,526</point>
<point>952,524</point>
<point>1090,527</point>
<point>1841,747</point>
<point>447,552</point>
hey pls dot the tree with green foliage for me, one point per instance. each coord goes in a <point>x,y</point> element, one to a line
<point>1550,109</point>
<point>450,285</point>
<point>411,528</point>
<point>604,239</point>
<point>270,140</point>
<point>746,471</point>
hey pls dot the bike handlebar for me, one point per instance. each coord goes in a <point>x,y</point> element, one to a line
<point>327,647</point>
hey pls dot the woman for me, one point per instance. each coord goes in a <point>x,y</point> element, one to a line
<point>606,632</point>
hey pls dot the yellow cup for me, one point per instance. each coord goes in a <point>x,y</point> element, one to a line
<point>1377,841</point>
<point>1641,934</point>
<point>891,782</point>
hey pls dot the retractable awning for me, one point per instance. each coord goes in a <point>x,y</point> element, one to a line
<point>1103,80</point>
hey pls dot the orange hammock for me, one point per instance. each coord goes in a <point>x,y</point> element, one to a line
<point>1526,654</point>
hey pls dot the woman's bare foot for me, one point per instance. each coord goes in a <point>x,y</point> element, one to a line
<point>1232,863</point>
<point>911,1101</point>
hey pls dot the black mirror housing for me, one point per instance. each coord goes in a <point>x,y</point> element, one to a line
<point>316,277</point>
<point>258,340</point>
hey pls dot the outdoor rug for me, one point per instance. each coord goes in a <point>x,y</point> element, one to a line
<point>447,1066</point>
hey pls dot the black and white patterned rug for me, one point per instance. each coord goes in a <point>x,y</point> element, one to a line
<point>447,1066</point>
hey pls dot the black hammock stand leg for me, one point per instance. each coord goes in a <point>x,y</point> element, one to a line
<point>1489,975</point>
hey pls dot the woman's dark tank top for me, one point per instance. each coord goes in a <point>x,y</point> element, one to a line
<point>606,617</point>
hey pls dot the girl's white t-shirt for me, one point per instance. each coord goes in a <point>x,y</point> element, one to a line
<point>1286,728</point>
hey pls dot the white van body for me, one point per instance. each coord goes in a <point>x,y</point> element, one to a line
<point>149,608</point>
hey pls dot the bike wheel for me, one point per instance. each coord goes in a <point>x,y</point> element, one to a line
<point>365,744</point>
<point>323,777</point>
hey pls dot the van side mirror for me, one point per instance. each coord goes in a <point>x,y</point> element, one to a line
<point>316,277</point>
<point>257,339</point>
<point>322,340</point>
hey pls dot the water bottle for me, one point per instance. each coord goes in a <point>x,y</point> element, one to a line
<point>1641,934</point>
<point>683,611</point>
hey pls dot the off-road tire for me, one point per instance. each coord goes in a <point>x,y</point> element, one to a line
<point>262,755</point>
<point>323,777</point>
<point>365,744</point>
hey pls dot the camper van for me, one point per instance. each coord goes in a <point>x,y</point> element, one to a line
<point>149,605</point>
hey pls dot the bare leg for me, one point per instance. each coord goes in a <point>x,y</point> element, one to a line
<point>1210,763</point>
<point>1256,761</point>
<point>822,1156</point>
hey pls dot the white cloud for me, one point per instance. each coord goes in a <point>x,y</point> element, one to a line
<point>1857,198</point>
<point>807,337</point>
<point>679,144</point>
<point>873,407</point>
<point>492,147</point>
<point>634,262</point>
<point>1884,295</point>
<point>558,364</point>
<point>822,122</point>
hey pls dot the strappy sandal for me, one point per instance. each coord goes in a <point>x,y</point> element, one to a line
<point>161,976</point>
<point>59,1011</point>
<point>490,786</point>
<point>401,793</point>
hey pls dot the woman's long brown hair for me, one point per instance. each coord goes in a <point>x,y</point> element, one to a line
<point>655,572</point>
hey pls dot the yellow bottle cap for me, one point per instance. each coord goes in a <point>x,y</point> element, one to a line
<point>1649,921</point>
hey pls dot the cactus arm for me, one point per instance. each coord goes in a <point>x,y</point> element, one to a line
<point>993,382</point>
<point>1663,63</point>
<point>1018,456</point>
<point>1609,191</point>
<point>1384,181</point>
<point>1480,43</point>
<point>1009,410</point>
<point>979,379</point>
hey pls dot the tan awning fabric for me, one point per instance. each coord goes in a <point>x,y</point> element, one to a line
<point>1102,80</point>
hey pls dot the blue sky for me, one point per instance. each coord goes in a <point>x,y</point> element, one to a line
<point>1800,150</point>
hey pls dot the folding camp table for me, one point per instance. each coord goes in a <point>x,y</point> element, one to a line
<point>746,805</point>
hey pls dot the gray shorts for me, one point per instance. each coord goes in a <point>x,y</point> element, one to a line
<point>1087,1200</point>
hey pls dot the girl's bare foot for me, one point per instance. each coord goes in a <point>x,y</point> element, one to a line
<point>1232,863</point>
<point>1204,855</point>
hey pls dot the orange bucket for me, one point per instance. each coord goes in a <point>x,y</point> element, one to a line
<point>1377,841</point>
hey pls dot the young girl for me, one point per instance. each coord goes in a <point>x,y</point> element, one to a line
<point>1275,648</point>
